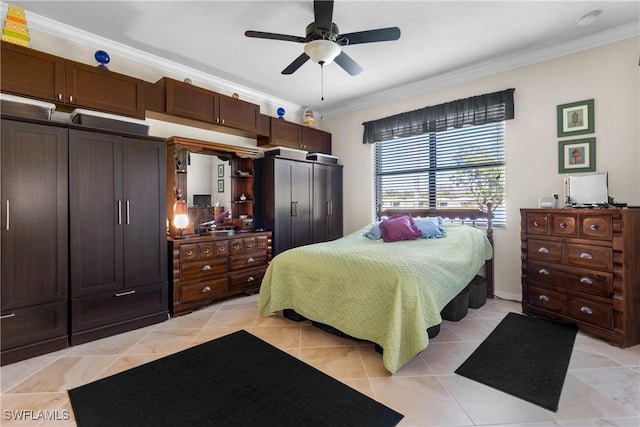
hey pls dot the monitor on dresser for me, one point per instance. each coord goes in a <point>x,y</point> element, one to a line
<point>589,190</point>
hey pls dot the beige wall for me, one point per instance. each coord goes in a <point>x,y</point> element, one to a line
<point>609,74</point>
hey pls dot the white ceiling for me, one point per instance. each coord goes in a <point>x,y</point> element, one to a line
<point>441,41</point>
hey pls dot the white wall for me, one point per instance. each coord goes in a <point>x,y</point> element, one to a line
<point>609,74</point>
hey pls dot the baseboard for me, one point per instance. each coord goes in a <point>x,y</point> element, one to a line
<point>509,296</point>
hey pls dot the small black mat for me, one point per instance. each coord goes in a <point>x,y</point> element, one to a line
<point>236,380</point>
<point>526,357</point>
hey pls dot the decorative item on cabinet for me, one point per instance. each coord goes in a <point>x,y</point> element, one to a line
<point>581,266</point>
<point>103,59</point>
<point>180,215</point>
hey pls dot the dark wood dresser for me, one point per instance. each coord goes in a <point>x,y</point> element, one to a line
<point>207,268</point>
<point>583,266</point>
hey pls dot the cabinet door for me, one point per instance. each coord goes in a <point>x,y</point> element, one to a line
<point>97,212</point>
<point>284,133</point>
<point>189,101</point>
<point>327,202</point>
<point>144,181</point>
<point>302,199</point>
<point>104,90</point>
<point>31,73</point>
<point>34,214</point>
<point>237,114</point>
<point>315,141</point>
<point>282,204</point>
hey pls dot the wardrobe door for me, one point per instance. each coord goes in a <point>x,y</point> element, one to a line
<point>302,198</point>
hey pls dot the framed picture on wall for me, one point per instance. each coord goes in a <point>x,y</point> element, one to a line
<point>576,118</point>
<point>221,170</point>
<point>577,155</point>
<point>221,186</point>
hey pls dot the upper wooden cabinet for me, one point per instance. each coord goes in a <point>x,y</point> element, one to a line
<point>35,74</point>
<point>292,135</point>
<point>193,102</point>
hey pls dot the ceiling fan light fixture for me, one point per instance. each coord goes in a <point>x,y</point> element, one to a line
<point>322,51</point>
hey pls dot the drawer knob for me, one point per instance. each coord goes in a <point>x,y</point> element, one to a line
<point>250,279</point>
<point>586,310</point>
<point>249,260</point>
<point>586,280</point>
<point>206,289</point>
<point>563,225</point>
<point>544,298</point>
<point>221,249</point>
<point>593,227</point>
<point>586,255</point>
<point>536,223</point>
<point>189,253</point>
<point>206,268</point>
<point>206,251</point>
<point>543,249</point>
<point>544,271</point>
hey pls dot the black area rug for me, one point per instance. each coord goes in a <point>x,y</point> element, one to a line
<point>236,380</point>
<point>526,357</point>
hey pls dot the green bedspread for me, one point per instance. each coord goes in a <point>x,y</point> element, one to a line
<point>386,293</point>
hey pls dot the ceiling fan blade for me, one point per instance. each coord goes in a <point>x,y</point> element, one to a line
<point>348,64</point>
<point>274,36</point>
<point>297,63</point>
<point>323,13</point>
<point>370,36</point>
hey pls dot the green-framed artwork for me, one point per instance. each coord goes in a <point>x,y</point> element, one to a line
<point>221,170</point>
<point>576,118</point>
<point>221,186</point>
<point>578,155</point>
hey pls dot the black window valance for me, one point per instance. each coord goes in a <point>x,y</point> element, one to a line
<point>477,110</point>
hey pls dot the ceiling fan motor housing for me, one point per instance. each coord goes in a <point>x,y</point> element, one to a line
<point>314,32</point>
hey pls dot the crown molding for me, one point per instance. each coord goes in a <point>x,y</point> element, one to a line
<point>60,30</point>
<point>487,68</point>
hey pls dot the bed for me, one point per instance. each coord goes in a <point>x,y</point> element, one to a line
<point>386,293</point>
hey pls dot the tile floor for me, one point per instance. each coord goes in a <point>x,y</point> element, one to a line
<point>602,387</point>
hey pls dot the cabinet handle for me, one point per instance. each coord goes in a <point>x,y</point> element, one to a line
<point>250,279</point>
<point>586,280</point>
<point>563,225</point>
<point>206,268</point>
<point>543,249</point>
<point>544,271</point>
<point>222,121</point>
<point>59,97</point>
<point>127,212</point>
<point>250,260</point>
<point>586,255</point>
<point>536,223</point>
<point>544,298</point>
<point>206,289</point>
<point>70,98</point>
<point>593,227</point>
<point>6,316</point>
<point>119,212</point>
<point>7,225</point>
<point>586,310</point>
<point>122,294</point>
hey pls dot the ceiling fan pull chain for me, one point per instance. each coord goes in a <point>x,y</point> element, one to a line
<point>322,81</point>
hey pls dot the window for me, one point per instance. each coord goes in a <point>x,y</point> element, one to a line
<point>456,168</point>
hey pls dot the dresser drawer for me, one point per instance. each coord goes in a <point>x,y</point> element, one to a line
<point>564,225</point>
<point>204,250</point>
<point>546,298</point>
<point>262,243</point>
<point>590,256</point>
<point>204,290</point>
<point>255,259</point>
<point>203,269</point>
<point>597,227</point>
<point>235,247</point>
<point>246,280</point>
<point>249,245</point>
<point>537,224</point>
<point>593,312</point>
<point>545,250</point>
<point>591,281</point>
<point>33,324</point>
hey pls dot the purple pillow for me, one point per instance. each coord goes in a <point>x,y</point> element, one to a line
<point>221,216</point>
<point>399,228</point>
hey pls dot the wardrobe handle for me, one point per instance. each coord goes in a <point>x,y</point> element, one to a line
<point>6,316</point>
<point>59,97</point>
<point>7,214</point>
<point>70,98</point>
<point>293,208</point>
<point>127,212</point>
<point>122,294</point>
<point>119,212</point>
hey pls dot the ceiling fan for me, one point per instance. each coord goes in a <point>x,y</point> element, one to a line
<point>324,43</point>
